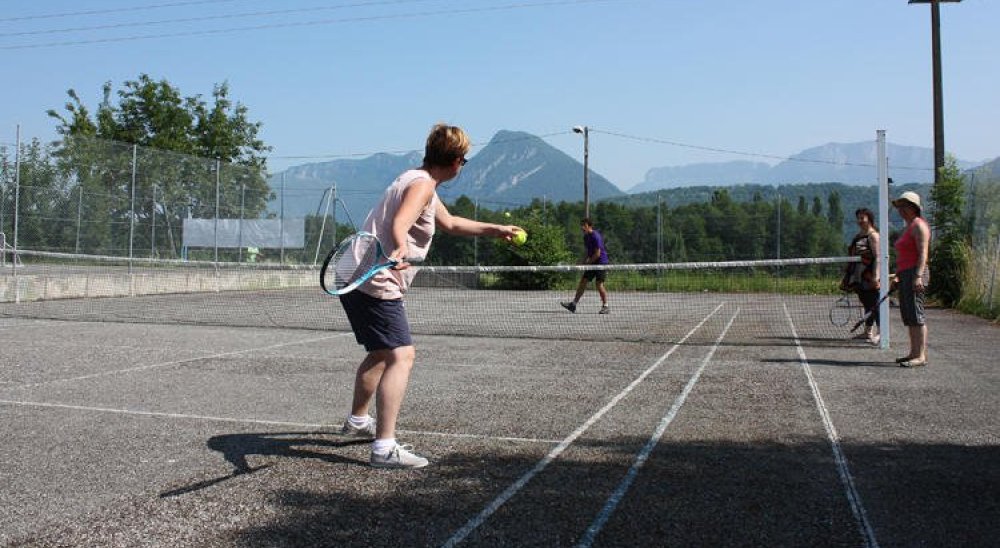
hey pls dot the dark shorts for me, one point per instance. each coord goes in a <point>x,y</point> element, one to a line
<point>378,324</point>
<point>600,275</point>
<point>911,303</point>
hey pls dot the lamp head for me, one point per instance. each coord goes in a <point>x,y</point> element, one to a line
<point>579,129</point>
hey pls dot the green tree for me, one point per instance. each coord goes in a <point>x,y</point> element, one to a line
<point>221,156</point>
<point>948,255</point>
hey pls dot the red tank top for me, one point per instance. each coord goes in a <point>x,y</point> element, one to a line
<point>907,254</point>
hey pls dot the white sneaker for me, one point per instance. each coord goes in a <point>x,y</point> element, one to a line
<point>398,457</point>
<point>365,432</point>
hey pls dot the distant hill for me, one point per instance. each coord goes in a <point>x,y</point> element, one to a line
<point>848,163</point>
<point>302,190</point>
<point>516,168</point>
<point>510,171</point>
<point>990,170</point>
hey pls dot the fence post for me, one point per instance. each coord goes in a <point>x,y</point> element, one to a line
<point>17,197</point>
<point>777,240</point>
<point>993,275</point>
<point>217,210</point>
<point>281,222</point>
<point>243,195</point>
<point>79,218</point>
<point>152,219</point>
<point>131,211</point>
<point>326,211</point>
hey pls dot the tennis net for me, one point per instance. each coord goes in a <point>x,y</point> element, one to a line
<point>775,300</point>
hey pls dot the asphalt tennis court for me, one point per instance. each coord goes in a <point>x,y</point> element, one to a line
<point>128,434</point>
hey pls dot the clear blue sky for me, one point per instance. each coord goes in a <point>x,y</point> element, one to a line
<point>338,78</point>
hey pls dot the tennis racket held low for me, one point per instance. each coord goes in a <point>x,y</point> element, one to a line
<point>870,312</point>
<point>352,263</point>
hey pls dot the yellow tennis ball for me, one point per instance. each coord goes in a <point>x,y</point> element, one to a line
<point>520,237</point>
<point>506,214</point>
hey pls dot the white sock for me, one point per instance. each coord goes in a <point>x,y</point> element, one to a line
<point>359,421</point>
<point>383,446</point>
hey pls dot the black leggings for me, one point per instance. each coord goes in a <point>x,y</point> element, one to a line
<point>869,300</point>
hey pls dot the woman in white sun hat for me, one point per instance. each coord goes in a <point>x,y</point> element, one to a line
<point>912,276</point>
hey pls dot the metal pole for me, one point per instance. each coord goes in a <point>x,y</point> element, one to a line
<point>322,226</point>
<point>79,217</point>
<point>217,178</point>
<point>475,240</point>
<point>17,208</point>
<point>334,202</point>
<point>586,172</point>
<point>131,212</point>
<point>938,107</point>
<point>777,252</point>
<point>243,195</point>
<point>659,232</point>
<point>585,131</point>
<point>882,172</point>
<point>152,235</point>
<point>281,222</point>
<point>993,275</point>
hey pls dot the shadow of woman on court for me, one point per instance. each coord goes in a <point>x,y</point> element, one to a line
<point>236,448</point>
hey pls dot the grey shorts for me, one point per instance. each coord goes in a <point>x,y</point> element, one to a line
<point>378,324</point>
<point>911,303</point>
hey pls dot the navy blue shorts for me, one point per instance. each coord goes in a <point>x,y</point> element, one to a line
<point>378,324</point>
<point>599,275</point>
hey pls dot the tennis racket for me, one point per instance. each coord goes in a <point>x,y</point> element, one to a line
<point>355,261</point>
<point>843,310</point>
<point>870,312</point>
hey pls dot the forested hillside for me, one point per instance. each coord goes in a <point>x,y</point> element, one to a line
<point>852,197</point>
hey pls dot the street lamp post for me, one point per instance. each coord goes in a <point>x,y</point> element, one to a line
<point>938,106</point>
<point>586,169</point>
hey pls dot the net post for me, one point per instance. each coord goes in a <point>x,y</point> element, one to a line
<point>882,172</point>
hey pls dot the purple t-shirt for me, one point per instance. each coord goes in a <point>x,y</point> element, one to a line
<point>593,242</point>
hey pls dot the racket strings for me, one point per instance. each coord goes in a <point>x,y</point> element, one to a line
<point>355,260</point>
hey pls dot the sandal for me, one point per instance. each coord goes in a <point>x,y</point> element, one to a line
<point>913,363</point>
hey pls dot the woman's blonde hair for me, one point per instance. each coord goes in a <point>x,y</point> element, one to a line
<point>445,144</point>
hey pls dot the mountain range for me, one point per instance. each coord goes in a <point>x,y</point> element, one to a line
<point>515,168</point>
<point>510,171</point>
<point>848,163</point>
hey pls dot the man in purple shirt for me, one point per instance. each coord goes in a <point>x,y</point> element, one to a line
<point>596,254</point>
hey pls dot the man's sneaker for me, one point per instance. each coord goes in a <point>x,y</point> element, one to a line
<point>398,457</point>
<point>569,305</point>
<point>367,431</point>
<point>605,310</point>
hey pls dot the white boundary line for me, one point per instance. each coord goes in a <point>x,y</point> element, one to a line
<point>178,362</point>
<point>495,505</point>
<point>185,416</point>
<point>843,470</point>
<point>640,459</point>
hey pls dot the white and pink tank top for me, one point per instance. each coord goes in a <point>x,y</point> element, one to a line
<point>392,284</point>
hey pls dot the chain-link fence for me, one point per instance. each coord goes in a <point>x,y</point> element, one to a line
<point>98,197</point>
<point>981,290</point>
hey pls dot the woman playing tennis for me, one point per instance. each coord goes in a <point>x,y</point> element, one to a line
<point>404,221</point>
